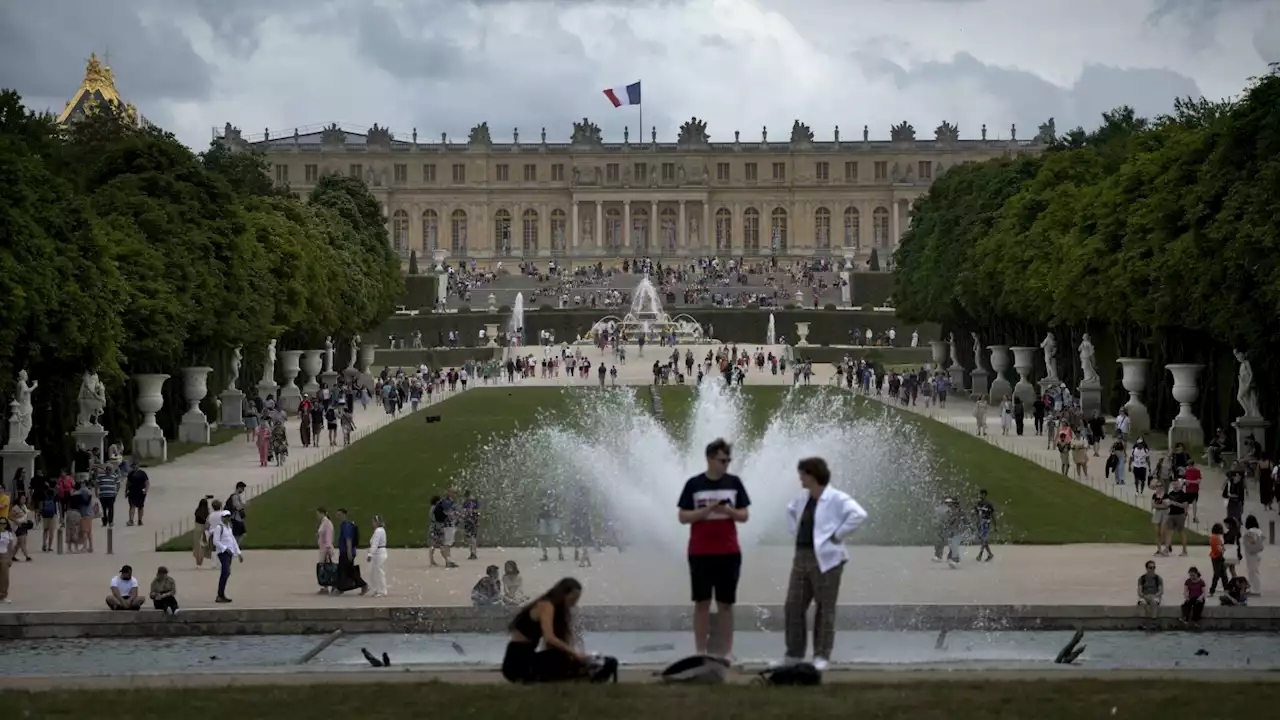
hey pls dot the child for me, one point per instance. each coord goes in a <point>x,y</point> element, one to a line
<point>1237,592</point>
<point>512,585</point>
<point>1192,597</point>
<point>1217,549</point>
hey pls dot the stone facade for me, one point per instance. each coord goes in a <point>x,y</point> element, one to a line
<point>588,199</point>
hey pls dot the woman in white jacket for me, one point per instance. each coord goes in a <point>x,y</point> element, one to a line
<point>1253,543</point>
<point>377,558</point>
<point>820,518</point>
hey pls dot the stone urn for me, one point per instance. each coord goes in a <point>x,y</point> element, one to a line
<point>939,348</point>
<point>802,332</point>
<point>1134,380</point>
<point>799,299</point>
<point>149,442</point>
<point>366,357</point>
<point>493,303</point>
<point>311,364</point>
<point>491,332</point>
<point>1000,387</point>
<point>194,427</point>
<point>1024,360</point>
<point>1186,389</point>
<point>290,395</point>
<point>437,259</point>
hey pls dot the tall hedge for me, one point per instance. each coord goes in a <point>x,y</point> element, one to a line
<point>1159,237</point>
<point>124,252</point>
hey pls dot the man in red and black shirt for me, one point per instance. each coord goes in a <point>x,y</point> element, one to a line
<point>712,504</point>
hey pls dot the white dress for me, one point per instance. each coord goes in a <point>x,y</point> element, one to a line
<point>378,562</point>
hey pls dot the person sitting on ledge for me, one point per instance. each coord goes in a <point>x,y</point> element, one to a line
<point>546,621</point>
<point>164,592</point>
<point>488,589</point>
<point>124,591</point>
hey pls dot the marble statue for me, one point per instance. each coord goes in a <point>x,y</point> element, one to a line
<point>328,353</point>
<point>586,231</point>
<point>915,338</point>
<point>1088,362</point>
<point>237,356</point>
<point>955,350</point>
<point>977,350</point>
<point>1050,347</point>
<point>22,395</point>
<point>355,350</point>
<point>269,367</point>
<point>92,399</point>
<point>693,232</point>
<point>1247,395</point>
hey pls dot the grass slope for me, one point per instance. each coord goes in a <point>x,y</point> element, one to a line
<point>919,699</point>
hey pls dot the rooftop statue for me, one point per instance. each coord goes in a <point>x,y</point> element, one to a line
<point>800,133</point>
<point>902,132</point>
<point>946,132</point>
<point>586,133</point>
<point>693,132</point>
<point>479,135</point>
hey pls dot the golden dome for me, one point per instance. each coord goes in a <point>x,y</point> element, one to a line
<point>98,86</point>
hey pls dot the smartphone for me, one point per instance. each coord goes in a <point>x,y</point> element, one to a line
<point>725,502</point>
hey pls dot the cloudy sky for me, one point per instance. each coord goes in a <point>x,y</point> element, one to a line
<point>445,65</point>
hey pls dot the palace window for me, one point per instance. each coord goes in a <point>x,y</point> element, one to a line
<point>822,229</point>
<point>882,170</point>
<point>641,172</point>
<point>639,229</point>
<point>530,236</point>
<point>611,172</point>
<point>502,232</point>
<point>459,173</point>
<point>430,231</point>
<point>751,230</point>
<point>312,173</point>
<point>401,173</point>
<point>752,172</point>
<point>613,228</point>
<point>530,172</point>
<point>458,232</point>
<point>429,173</point>
<point>668,172</point>
<point>822,170</point>
<point>925,169</point>
<point>559,229</point>
<point>779,171</point>
<point>724,228</point>
<point>722,172</point>
<point>852,227</point>
<point>880,227</point>
<point>400,232</point>
<point>557,172</point>
<point>503,172</point>
<point>670,238</point>
<point>778,230</point>
<point>851,171</point>
<point>282,174</point>
<point>355,170</point>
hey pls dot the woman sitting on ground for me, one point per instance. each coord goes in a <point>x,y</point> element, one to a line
<point>546,621</point>
<point>512,585</point>
<point>487,590</point>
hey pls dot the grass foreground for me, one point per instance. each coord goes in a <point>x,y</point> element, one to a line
<point>395,471</point>
<point>919,700</point>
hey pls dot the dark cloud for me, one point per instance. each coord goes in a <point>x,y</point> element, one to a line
<point>1195,16</point>
<point>44,45</point>
<point>1031,99</point>
<point>379,37</point>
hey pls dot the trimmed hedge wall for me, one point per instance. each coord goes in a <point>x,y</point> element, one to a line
<point>826,327</point>
<point>871,289</point>
<point>419,291</point>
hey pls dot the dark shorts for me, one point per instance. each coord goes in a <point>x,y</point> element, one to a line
<point>138,500</point>
<point>715,576</point>
<point>1193,497</point>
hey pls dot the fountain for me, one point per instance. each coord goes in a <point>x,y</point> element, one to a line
<point>607,449</point>
<point>515,326</point>
<point>771,336</point>
<point>647,319</point>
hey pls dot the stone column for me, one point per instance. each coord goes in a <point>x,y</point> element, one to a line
<point>707,236</point>
<point>893,226</point>
<point>599,224</point>
<point>655,242</point>
<point>626,223</point>
<point>682,232</point>
<point>736,231</point>
<point>574,220</point>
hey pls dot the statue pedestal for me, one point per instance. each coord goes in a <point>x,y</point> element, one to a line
<point>149,443</point>
<point>267,388</point>
<point>90,437</point>
<point>846,288</point>
<point>957,378</point>
<point>329,378</point>
<point>1090,397</point>
<point>978,378</point>
<point>351,374</point>
<point>1049,382</point>
<point>13,457</point>
<point>1245,426</point>
<point>289,399</point>
<point>194,429</point>
<point>232,412</point>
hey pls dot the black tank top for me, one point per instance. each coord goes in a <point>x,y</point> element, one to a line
<point>529,628</point>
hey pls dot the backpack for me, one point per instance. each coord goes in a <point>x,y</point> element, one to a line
<point>48,508</point>
<point>798,674</point>
<point>697,670</point>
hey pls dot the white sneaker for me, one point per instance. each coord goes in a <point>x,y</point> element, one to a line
<point>785,662</point>
<point>952,564</point>
<point>821,664</point>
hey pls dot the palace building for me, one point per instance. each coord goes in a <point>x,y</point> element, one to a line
<point>588,199</point>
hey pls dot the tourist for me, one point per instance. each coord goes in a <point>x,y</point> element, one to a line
<point>512,584</point>
<point>438,533</point>
<point>136,486</point>
<point>580,527</point>
<point>164,592</point>
<point>1217,552</point>
<point>1231,541</point>
<point>331,423</point>
<point>89,509</point>
<point>712,504</point>
<point>820,518</point>
<point>1237,593</point>
<point>348,421</point>
<point>262,434</point>
<point>979,413</point>
<point>1095,426</point>
<point>279,442</point>
<point>1122,426</point>
<point>1159,511</point>
<point>225,547</point>
<point>324,536</point>
<point>1253,543</point>
<point>1139,462</point>
<point>8,546</point>
<point>549,523</point>
<point>1192,476</point>
<point>199,538</point>
<point>471,522</point>
<point>348,544</point>
<point>488,589</point>
<point>985,513</point>
<point>235,504</point>
<point>1233,491</point>
<point>107,486</point>
<point>124,591</point>
<point>1192,597</point>
<point>21,521</point>
<point>1176,517</point>
<point>1150,591</point>
<point>377,557</point>
<point>546,621</point>
<point>1080,457</point>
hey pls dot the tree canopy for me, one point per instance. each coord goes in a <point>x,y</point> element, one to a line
<point>122,252</point>
<point>1158,236</point>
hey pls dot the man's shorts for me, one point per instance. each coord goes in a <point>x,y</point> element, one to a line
<point>449,534</point>
<point>549,527</point>
<point>1176,522</point>
<point>715,576</point>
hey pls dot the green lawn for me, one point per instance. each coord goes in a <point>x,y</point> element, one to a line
<point>396,470</point>
<point>919,699</point>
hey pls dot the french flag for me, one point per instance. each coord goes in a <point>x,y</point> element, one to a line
<point>629,95</point>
